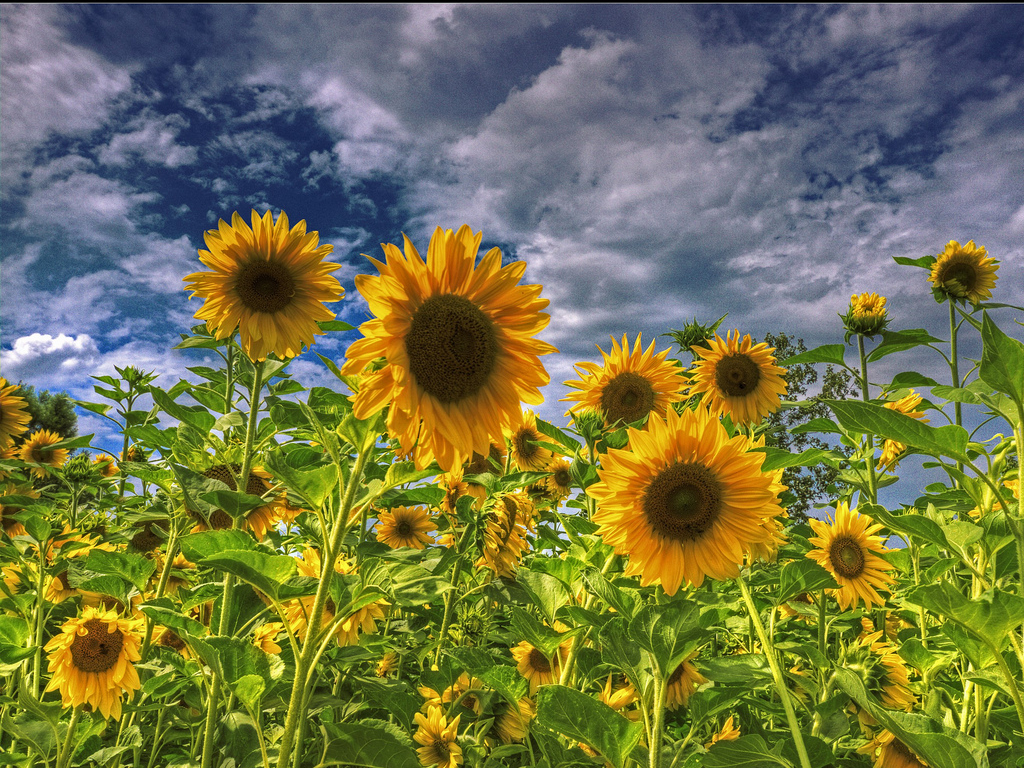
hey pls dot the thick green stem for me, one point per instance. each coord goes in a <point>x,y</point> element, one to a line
<point>954,365</point>
<point>657,719</point>
<point>780,681</point>
<point>37,660</point>
<point>64,756</point>
<point>866,396</point>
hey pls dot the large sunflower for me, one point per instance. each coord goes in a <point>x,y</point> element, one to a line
<point>405,527</point>
<point>738,378</point>
<point>13,417</point>
<point>537,668</point>
<point>629,385</point>
<point>964,272</point>
<point>682,683</point>
<point>437,736</point>
<point>684,501</point>
<point>509,518</point>
<point>892,449</point>
<point>849,550</point>
<point>268,281</point>
<point>459,345</point>
<point>37,450</point>
<point>91,660</point>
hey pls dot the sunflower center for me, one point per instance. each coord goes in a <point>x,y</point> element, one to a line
<point>562,478</point>
<point>627,398</point>
<point>539,662</point>
<point>62,577</point>
<point>441,750</point>
<point>737,375</point>
<point>452,348</point>
<point>524,442</point>
<point>847,557</point>
<point>683,501</point>
<point>98,649</point>
<point>403,528</point>
<point>676,676</point>
<point>265,286</point>
<point>903,751</point>
<point>961,275</point>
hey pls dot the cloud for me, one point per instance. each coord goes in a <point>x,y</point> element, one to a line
<point>41,356</point>
<point>153,140</point>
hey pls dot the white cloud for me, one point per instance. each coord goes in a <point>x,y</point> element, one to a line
<point>41,356</point>
<point>154,140</point>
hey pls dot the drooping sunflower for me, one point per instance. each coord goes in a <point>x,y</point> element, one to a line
<point>11,526</point>
<point>269,281</point>
<point>387,664</point>
<point>618,692</point>
<point>685,501</point>
<point>265,636</point>
<point>629,385</point>
<point>91,660</point>
<point>405,527</point>
<point>891,449</point>
<point>459,345</point>
<point>964,272</point>
<point>438,739</point>
<point>888,675</point>
<point>509,518</point>
<point>37,450</point>
<point>523,436</point>
<point>886,751</point>
<point>866,315</point>
<point>513,724</point>
<point>728,732</point>
<point>849,550</point>
<point>14,419</point>
<point>738,378</point>
<point>682,683</point>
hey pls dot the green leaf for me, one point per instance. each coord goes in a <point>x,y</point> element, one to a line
<point>745,752</point>
<point>925,262</point>
<point>942,747</point>
<point>232,502</point>
<point>361,434</point>
<point>409,584</point>
<point>801,576</point>
<point>571,445</point>
<point>897,341</point>
<point>268,573</point>
<point>778,458</point>
<point>669,632</point>
<point>1002,361</point>
<point>826,426</point>
<point>873,419</point>
<point>910,379</point>
<point>402,472</point>
<point>198,546</point>
<point>547,592</point>
<point>526,627</point>
<point>135,569</point>
<point>621,652</point>
<point>747,668</point>
<point>585,719</point>
<point>829,353</point>
<point>990,616</point>
<point>505,679</point>
<point>314,486</point>
<point>361,746</point>
<point>250,689</point>
<point>236,659</point>
<point>621,600</point>
<point>334,325</point>
<point>13,640</point>
<point>194,415</point>
<point>393,696</point>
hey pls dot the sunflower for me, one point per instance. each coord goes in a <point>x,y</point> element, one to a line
<point>559,483</point>
<point>887,673</point>
<point>59,588</point>
<point>618,692</point>
<point>387,664</point>
<point>866,315</point>
<point>405,527</point>
<point>437,737</point>
<point>258,520</point>
<point>14,419</point>
<point>37,450</point>
<point>513,724</point>
<point>508,520</point>
<point>685,501</point>
<point>738,378</point>
<point>728,732</point>
<point>682,683</point>
<point>459,345</point>
<point>523,436</point>
<point>964,272</point>
<point>629,385</point>
<point>11,526</point>
<point>105,464</point>
<point>891,449</point>
<point>889,752</point>
<point>849,550</point>
<point>269,281</point>
<point>537,668</point>
<point>91,660</point>
<point>455,691</point>
<point>454,488</point>
<point>265,636</point>
<point>166,637</point>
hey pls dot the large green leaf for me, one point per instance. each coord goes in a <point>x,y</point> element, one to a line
<point>583,718</point>
<point>1002,361</point>
<point>133,568</point>
<point>619,651</point>
<point>778,458</point>
<point>361,746</point>
<point>897,341</point>
<point>198,546</point>
<point>314,485</point>
<point>829,353</point>
<point>13,640</point>
<point>801,576</point>
<point>268,573</point>
<point>546,591</point>
<point>409,584</point>
<point>940,746</point>
<point>990,616</point>
<point>393,696</point>
<point>749,751</point>
<point>873,419</point>
<point>503,678</point>
<point>669,632</point>
<point>195,416</point>
<point>526,627</point>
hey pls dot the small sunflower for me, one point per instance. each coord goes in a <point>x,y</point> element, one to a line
<point>964,272</point>
<point>259,520</point>
<point>559,482</point>
<point>887,751</point>
<point>454,488</point>
<point>269,281</point>
<point>105,464</point>
<point>405,527</point>
<point>168,638</point>
<point>618,692</point>
<point>891,449</point>
<point>685,501</point>
<point>629,385</point>
<point>459,344</point>
<point>387,664</point>
<point>738,378</point>
<point>537,668</point>
<point>14,419</point>
<point>265,636</point>
<point>887,673</point>
<point>37,450</point>
<point>11,526</point>
<point>728,732</point>
<point>849,550</point>
<point>523,436</point>
<point>682,683</point>
<point>91,660</point>
<point>438,739</point>
<point>866,315</point>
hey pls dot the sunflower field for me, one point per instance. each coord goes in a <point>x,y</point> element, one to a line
<point>409,569</point>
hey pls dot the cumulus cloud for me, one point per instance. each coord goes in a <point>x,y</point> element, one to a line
<point>152,140</point>
<point>42,357</point>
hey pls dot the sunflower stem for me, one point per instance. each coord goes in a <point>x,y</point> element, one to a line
<point>64,756</point>
<point>866,397</point>
<point>658,719</point>
<point>780,682</point>
<point>37,661</point>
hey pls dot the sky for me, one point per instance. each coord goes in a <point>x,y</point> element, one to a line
<point>652,164</point>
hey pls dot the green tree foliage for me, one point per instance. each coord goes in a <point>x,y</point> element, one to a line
<point>52,411</point>
<point>807,485</point>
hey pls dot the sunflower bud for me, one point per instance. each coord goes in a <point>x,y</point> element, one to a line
<point>867,315</point>
<point>589,424</point>
<point>695,334</point>
<point>78,469</point>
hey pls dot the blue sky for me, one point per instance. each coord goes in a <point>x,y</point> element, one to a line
<point>651,164</point>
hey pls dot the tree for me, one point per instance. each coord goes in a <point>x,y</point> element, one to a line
<point>807,485</point>
<point>52,411</point>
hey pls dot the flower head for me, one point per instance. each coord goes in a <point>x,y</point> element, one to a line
<point>14,419</point>
<point>964,272</point>
<point>405,527</point>
<point>738,378</point>
<point>459,346</point>
<point>892,450</point>
<point>849,550</point>
<point>38,450</point>
<point>438,739</point>
<point>866,315</point>
<point>682,683</point>
<point>523,436</point>
<point>269,281</point>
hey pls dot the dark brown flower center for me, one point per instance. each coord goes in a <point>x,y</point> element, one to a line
<point>441,750</point>
<point>562,478</point>
<point>627,398</point>
<point>737,375</point>
<point>255,486</point>
<point>523,442</point>
<point>539,662</point>
<point>903,751</point>
<point>62,577</point>
<point>847,557</point>
<point>683,501</point>
<point>169,639</point>
<point>403,528</point>
<point>265,286</point>
<point>98,649</point>
<point>452,348</point>
<point>958,278</point>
